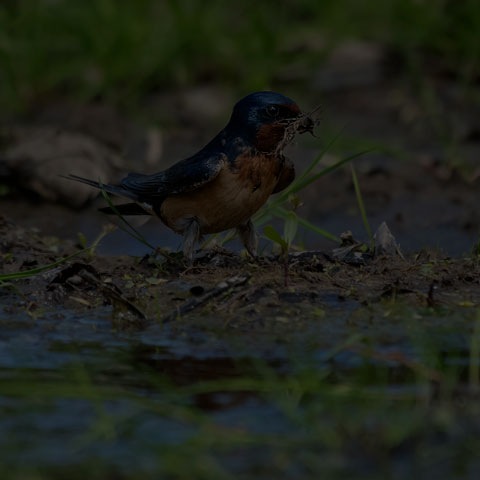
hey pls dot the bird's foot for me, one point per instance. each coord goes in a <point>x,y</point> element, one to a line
<point>191,234</point>
<point>248,237</point>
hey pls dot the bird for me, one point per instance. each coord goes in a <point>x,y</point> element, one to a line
<point>223,185</point>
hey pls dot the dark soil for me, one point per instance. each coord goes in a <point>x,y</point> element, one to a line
<point>164,289</point>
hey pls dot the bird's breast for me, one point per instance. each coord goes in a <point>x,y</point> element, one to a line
<point>229,200</point>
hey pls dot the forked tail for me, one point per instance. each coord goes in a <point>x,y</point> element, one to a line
<point>113,189</point>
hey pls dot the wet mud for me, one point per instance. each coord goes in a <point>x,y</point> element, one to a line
<point>246,291</point>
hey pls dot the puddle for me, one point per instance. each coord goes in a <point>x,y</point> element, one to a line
<point>77,391</point>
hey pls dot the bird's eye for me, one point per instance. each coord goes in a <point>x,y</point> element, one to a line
<point>272,110</point>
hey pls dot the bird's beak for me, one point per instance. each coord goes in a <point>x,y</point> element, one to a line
<point>305,125</point>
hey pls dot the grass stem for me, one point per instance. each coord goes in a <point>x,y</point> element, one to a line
<point>361,206</point>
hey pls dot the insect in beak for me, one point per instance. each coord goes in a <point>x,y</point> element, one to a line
<point>307,121</point>
<point>305,125</point>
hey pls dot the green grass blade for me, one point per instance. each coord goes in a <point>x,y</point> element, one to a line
<point>310,226</point>
<point>321,154</point>
<point>34,271</point>
<point>305,182</point>
<point>362,207</point>
<point>133,231</point>
<point>302,183</point>
<point>274,236</point>
<point>290,227</point>
<point>273,208</point>
<point>284,195</point>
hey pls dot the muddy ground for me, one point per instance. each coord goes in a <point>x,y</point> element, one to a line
<point>248,292</point>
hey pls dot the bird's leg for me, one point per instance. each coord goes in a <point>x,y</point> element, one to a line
<point>248,237</point>
<point>191,235</point>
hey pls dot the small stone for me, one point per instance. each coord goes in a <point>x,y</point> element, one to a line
<point>75,280</point>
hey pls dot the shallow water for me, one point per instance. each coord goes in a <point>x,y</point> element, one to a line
<point>76,391</point>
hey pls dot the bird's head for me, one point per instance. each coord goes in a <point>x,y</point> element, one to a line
<point>269,120</point>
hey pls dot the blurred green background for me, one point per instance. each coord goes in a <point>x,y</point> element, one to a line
<point>155,80</point>
<point>119,51</point>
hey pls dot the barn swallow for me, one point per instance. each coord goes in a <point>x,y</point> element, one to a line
<point>227,181</point>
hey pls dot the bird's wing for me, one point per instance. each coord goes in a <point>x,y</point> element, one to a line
<point>185,176</point>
